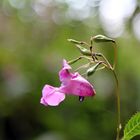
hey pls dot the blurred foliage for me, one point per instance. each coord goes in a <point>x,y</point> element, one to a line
<point>33,42</point>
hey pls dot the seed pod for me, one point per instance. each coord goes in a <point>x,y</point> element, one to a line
<point>83,50</point>
<point>92,70</point>
<point>102,38</point>
<point>74,60</point>
<point>74,41</point>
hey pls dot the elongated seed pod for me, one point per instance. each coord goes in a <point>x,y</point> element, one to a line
<point>74,41</point>
<point>102,38</point>
<point>83,50</point>
<point>92,69</point>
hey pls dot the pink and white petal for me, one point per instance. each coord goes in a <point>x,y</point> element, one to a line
<point>78,86</point>
<point>85,87</point>
<point>64,74</point>
<point>47,89</point>
<point>55,99</point>
<point>66,65</point>
<point>76,76</point>
<point>42,101</point>
<point>79,89</point>
<point>51,96</point>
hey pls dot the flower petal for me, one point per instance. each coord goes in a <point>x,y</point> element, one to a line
<point>47,89</point>
<point>78,86</point>
<point>55,98</point>
<point>66,65</point>
<point>42,101</point>
<point>51,96</point>
<point>64,74</point>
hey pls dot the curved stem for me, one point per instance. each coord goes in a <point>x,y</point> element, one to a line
<point>76,59</point>
<point>117,90</point>
<point>118,106</point>
<point>101,55</point>
<point>83,66</point>
<point>85,43</point>
<point>115,54</point>
<point>108,66</point>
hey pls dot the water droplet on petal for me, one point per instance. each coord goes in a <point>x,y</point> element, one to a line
<point>81,98</point>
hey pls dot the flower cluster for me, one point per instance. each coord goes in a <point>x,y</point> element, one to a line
<point>71,83</point>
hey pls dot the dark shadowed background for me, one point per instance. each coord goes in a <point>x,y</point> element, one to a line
<point>33,43</point>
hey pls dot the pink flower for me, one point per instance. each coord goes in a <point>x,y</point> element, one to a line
<point>51,96</point>
<point>71,83</point>
<point>74,83</point>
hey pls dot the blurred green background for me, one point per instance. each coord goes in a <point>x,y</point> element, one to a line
<point>33,42</point>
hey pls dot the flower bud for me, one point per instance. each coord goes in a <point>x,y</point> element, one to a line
<point>74,41</point>
<point>83,50</point>
<point>102,38</point>
<point>74,60</point>
<point>91,70</point>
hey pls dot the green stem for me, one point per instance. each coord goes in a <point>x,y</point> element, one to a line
<point>104,58</point>
<point>76,59</point>
<point>118,106</point>
<point>117,96</point>
<point>115,55</point>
